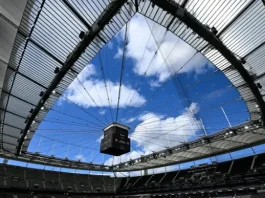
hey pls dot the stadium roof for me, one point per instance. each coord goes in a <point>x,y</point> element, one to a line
<point>230,34</point>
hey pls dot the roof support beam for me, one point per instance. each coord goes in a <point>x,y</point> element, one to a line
<point>5,124</point>
<point>40,47</point>
<point>173,8</point>
<point>184,3</point>
<point>13,113</point>
<point>8,143</point>
<point>136,5</point>
<point>260,76</point>
<point>21,74</point>
<point>104,18</point>
<point>18,98</point>
<point>78,15</point>
<point>10,136</point>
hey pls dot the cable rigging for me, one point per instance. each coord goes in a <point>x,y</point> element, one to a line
<point>122,69</point>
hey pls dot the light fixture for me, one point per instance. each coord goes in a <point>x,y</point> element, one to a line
<point>53,92</point>
<point>259,85</point>
<point>246,127</point>
<point>41,94</point>
<point>214,30</point>
<point>81,35</point>
<point>243,61</point>
<point>231,132</point>
<point>42,108</point>
<point>56,70</point>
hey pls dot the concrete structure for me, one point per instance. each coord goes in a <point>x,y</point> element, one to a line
<point>11,13</point>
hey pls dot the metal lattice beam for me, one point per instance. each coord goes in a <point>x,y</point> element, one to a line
<point>16,71</point>
<point>103,19</point>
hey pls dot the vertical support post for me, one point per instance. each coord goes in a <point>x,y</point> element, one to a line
<point>37,149</point>
<point>92,156</point>
<point>205,133</point>
<point>103,161</point>
<point>53,148</point>
<point>185,138</point>
<point>203,127</point>
<point>80,157</point>
<point>168,142</point>
<point>226,117</point>
<point>66,154</point>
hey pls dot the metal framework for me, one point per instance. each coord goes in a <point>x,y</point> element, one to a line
<point>233,59</point>
<point>103,19</point>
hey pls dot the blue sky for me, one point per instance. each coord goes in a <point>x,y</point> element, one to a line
<point>167,88</point>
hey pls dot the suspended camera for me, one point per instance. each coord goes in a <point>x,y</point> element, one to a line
<point>115,141</point>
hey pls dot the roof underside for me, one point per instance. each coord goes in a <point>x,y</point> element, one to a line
<point>42,40</point>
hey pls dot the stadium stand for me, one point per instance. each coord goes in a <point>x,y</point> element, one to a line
<point>241,176</point>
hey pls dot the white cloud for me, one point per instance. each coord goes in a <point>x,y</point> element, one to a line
<point>88,71</point>
<point>96,89</point>
<point>156,132</point>
<point>100,138</point>
<point>129,120</point>
<point>80,157</point>
<point>119,53</point>
<point>102,112</point>
<point>175,51</point>
<point>124,158</point>
<point>154,83</point>
<point>110,45</point>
